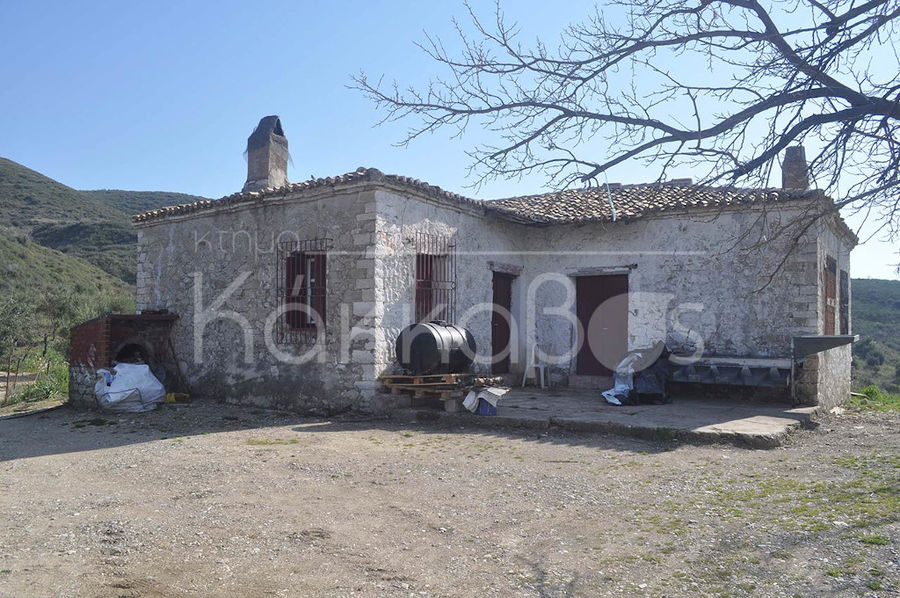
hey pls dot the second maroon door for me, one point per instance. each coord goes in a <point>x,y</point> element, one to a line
<point>601,305</point>
<point>500,326</point>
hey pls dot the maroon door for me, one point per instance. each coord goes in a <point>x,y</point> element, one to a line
<point>601,305</point>
<point>500,328</point>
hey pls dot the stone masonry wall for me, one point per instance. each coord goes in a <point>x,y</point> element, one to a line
<point>225,258</point>
<point>694,280</point>
<point>81,387</point>
<point>824,378</point>
<point>481,245</point>
<point>829,373</point>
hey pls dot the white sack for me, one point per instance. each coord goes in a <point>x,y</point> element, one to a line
<point>133,389</point>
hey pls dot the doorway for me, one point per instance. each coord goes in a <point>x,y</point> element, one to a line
<point>500,323</point>
<point>601,306</point>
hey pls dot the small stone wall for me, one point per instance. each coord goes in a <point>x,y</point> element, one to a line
<point>824,378</point>
<point>81,387</point>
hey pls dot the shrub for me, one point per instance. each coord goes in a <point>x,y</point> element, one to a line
<point>54,383</point>
<point>875,358</point>
<point>876,400</point>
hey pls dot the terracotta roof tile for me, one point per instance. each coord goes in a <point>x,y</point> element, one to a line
<point>630,201</point>
<point>569,206</point>
<point>358,175</point>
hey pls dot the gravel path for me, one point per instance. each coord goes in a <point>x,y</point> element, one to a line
<point>206,499</point>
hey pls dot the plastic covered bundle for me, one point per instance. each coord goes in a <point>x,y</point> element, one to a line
<point>640,376</point>
<point>129,388</point>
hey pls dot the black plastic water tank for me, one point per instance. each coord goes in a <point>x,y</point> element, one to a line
<point>435,348</point>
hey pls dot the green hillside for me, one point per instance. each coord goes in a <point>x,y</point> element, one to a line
<point>31,268</point>
<point>92,225</point>
<point>135,202</point>
<point>876,319</point>
<point>28,198</point>
<point>110,246</point>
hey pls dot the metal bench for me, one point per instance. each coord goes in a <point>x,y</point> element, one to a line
<point>773,372</point>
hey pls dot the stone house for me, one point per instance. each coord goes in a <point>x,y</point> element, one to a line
<point>292,294</point>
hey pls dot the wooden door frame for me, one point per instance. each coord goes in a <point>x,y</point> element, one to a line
<point>590,273</point>
<point>510,323</point>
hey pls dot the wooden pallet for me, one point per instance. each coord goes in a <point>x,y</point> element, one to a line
<point>449,388</point>
<point>426,380</point>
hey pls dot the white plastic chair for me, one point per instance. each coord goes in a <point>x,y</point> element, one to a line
<point>539,369</point>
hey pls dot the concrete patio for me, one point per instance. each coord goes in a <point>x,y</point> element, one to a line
<point>757,425</point>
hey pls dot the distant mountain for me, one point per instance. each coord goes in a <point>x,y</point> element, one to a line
<point>92,225</point>
<point>876,319</point>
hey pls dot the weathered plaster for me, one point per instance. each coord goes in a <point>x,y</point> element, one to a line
<point>214,250</point>
<point>698,280</point>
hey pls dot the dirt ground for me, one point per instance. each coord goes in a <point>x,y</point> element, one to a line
<point>210,500</point>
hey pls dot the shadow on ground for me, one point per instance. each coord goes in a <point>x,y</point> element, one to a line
<point>555,415</point>
<point>69,430</point>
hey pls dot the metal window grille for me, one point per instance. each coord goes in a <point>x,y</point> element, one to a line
<point>301,286</point>
<point>845,302</point>
<point>830,294</point>
<point>435,297</point>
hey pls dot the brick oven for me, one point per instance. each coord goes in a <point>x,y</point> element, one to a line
<point>121,338</point>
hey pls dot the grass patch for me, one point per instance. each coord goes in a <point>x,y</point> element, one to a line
<point>875,540</point>
<point>875,400</point>
<point>782,555</point>
<point>48,385</point>
<point>870,498</point>
<point>270,441</point>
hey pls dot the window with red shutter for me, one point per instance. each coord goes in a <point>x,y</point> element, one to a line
<point>302,289</point>
<point>845,302</point>
<point>435,297</point>
<point>830,294</point>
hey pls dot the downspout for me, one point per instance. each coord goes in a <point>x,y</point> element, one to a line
<point>609,197</point>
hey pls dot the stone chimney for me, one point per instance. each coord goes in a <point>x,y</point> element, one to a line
<point>794,171</point>
<point>267,155</point>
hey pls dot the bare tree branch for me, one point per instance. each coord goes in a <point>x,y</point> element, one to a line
<point>746,78</point>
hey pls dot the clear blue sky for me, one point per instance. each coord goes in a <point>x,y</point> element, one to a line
<point>162,96</point>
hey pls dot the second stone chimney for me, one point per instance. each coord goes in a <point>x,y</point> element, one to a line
<point>267,155</point>
<point>794,171</point>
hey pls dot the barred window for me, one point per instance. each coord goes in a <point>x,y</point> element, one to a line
<point>302,288</point>
<point>830,294</point>
<point>845,302</point>
<point>435,297</point>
